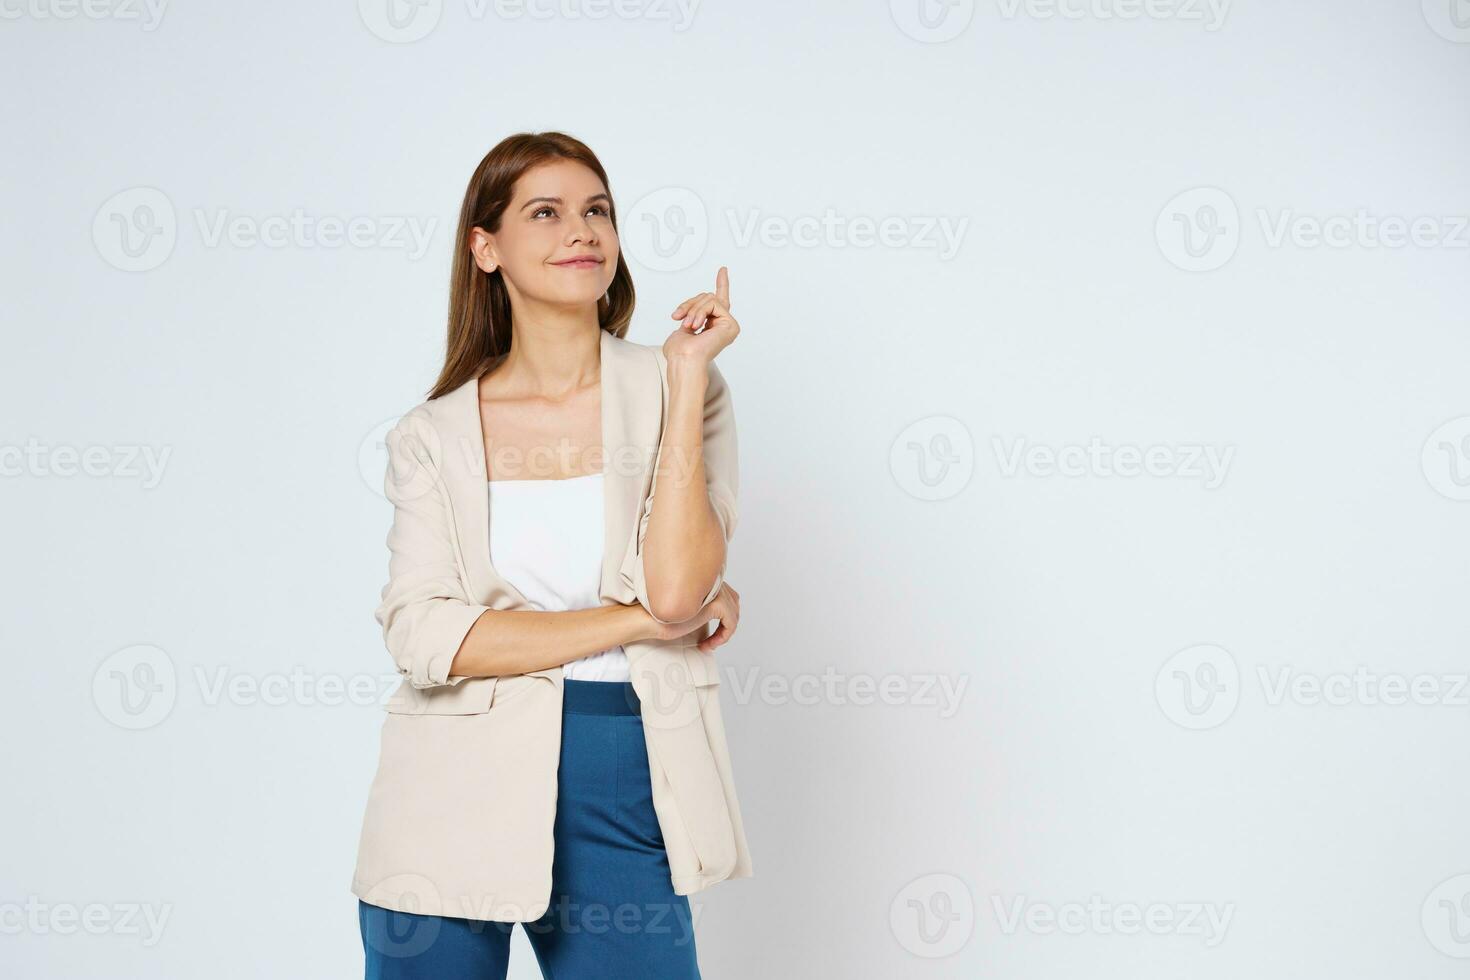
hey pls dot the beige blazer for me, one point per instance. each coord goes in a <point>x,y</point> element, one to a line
<point>460,814</point>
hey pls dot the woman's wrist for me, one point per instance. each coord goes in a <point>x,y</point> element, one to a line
<point>688,371</point>
<point>635,623</point>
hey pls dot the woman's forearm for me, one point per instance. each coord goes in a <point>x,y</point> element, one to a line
<point>513,641</point>
<point>684,548</point>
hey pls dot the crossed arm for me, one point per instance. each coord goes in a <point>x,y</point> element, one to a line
<point>675,565</point>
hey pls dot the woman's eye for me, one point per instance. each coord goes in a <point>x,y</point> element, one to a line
<point>548,209</point>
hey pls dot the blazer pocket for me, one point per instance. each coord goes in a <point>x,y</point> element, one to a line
<point>704,668</point>
<point>473,696</point>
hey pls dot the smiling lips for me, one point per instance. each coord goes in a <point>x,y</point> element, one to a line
<point>580,262</point>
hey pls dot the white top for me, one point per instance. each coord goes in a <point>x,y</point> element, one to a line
<point>546,540</point>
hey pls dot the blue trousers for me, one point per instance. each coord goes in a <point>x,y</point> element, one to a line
<point>613,912</point>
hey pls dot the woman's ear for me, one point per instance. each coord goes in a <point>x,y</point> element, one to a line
<point>482,247</point>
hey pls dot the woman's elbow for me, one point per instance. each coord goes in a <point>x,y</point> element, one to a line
<point>677,603</point>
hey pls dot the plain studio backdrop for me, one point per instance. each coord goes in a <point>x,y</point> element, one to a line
<point>1105,463</point>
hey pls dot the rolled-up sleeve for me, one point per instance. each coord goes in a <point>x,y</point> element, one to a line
<point>424,611</point>
<point>722,474</point>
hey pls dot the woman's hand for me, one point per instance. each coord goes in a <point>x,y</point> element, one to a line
<point>711,309</point>
<point>725,607</point>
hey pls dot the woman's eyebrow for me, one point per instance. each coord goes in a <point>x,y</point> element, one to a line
<point>557,200</point>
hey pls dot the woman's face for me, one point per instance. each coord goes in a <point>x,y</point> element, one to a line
<point>560,211</point>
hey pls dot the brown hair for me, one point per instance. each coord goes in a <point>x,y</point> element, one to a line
<point>479,306</point>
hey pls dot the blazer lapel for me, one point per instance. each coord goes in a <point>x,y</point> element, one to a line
<point>632,423</point>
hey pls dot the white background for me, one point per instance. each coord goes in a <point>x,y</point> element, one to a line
<point>887,534</point>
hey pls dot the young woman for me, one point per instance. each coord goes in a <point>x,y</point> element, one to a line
<point>555,754</point>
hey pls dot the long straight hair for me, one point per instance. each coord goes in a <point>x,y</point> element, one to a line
<point>479,305</point>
